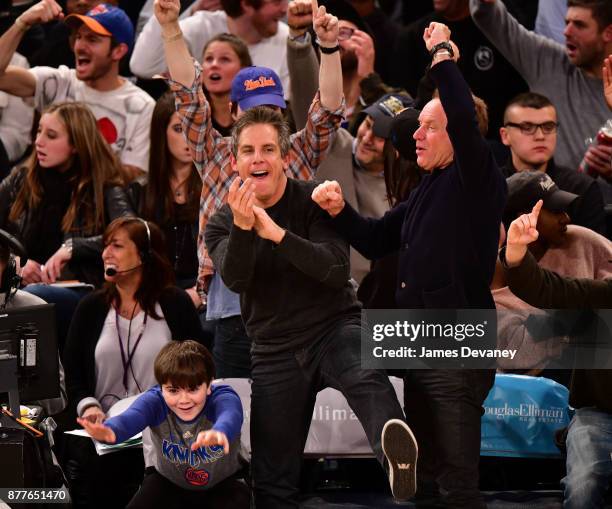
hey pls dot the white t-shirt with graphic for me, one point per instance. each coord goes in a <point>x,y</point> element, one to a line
<point>123,114</point>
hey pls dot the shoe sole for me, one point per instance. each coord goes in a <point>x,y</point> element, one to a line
<point>401,449</point>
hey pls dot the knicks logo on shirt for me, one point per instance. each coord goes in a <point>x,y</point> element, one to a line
<point>197,477</point>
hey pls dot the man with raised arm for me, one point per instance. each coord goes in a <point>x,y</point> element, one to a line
<point>102,37</point>
<point>588,443</point>
<point>211,151</point>
<point>447,235</point>
<point>570,76</point>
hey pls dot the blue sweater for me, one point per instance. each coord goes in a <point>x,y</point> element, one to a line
<point>171,437</point>
<point>447,231</point>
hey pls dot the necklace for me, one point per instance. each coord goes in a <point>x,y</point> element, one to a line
<point>178,189</point>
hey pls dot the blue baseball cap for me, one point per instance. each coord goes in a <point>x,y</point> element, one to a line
<point>106,19</point>
<point>257,86</point>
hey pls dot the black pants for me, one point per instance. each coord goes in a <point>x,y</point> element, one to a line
<point>158,492</point>
<point>101,481</point>
<point>443,409</point>
<point>284,390</point>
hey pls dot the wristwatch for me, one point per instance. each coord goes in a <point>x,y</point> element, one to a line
<point>442,46</point>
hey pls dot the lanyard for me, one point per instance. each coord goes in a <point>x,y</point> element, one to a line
<point>127,363</point>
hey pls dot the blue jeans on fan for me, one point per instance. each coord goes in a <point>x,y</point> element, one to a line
<point>589,459</point>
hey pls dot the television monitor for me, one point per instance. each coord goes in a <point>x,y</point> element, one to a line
<point>28,333</point>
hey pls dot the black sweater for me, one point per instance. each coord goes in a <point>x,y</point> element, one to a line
<point>290,293</point>
<point>447,231</point>
<point>545,289</point>
<point>86,327</point>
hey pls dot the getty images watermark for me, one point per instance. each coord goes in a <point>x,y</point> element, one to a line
<point>485,338</point>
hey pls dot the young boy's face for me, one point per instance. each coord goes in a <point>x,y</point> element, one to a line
<point>184,402</point>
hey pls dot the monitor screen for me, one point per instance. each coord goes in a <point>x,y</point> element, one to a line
<point>29,334</point>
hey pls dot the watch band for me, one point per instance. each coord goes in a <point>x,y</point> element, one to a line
<point>442,46</point>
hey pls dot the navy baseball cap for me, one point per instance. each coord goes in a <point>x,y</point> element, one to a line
<point>257,86</point>
<point>525,188</point>
<point>106,19</point>
<point>384,110</point>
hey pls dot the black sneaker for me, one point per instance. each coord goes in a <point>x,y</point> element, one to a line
<point>401,449</point>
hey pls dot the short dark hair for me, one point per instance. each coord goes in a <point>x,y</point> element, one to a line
<point>233,8</point>
<point>184,364</point>
<point>528,100</point>
<point>600,9</point>
<point>262,115</point>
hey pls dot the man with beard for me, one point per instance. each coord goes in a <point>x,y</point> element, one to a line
<point>102,38</point>
<point>256,22</point>
<point>570,77</point>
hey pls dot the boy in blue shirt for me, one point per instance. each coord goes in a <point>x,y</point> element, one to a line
<point>192,448</point>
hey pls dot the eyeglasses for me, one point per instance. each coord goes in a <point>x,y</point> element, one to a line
<point>529,128</point>
<point>345,33</point>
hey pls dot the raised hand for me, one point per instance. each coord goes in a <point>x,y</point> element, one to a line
<point>42,12</point>
<point>607,80</point>
<point>325,25</point>
<point>328,196</point>
<point>211,437</point>
<point>265,227</point>
<point>97,430</point>
<point>167,11</point>
<point>363,45</point>
<point>299,16</point>
<point>521,233</point>
<point>240,199</point>
<point>436,33</point>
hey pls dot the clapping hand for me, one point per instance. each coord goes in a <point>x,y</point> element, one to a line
<point>241,199</point>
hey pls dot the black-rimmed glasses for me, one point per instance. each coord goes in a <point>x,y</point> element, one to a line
<point>530,128</point>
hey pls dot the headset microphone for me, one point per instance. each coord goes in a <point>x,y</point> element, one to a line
<point>112,271</point>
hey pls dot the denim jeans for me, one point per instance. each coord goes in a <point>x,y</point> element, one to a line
<point>443,409</point>
<point>284,390</point>
<point>232,348</point>
<point>66,300</point>
<point>589,461</point>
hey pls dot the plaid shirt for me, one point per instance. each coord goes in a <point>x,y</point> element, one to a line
<point>211,153</point>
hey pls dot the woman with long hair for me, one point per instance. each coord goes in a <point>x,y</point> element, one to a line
<point>114,337</point>
<point>223,56</point>
<point>59,203</point>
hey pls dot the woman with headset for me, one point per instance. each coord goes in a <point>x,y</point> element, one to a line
<point>115,334</point>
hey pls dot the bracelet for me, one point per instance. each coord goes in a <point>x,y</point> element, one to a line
<point>443,53</point>
<point>327,50</point>
<point>174,37</point>
<point>21,25</point>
